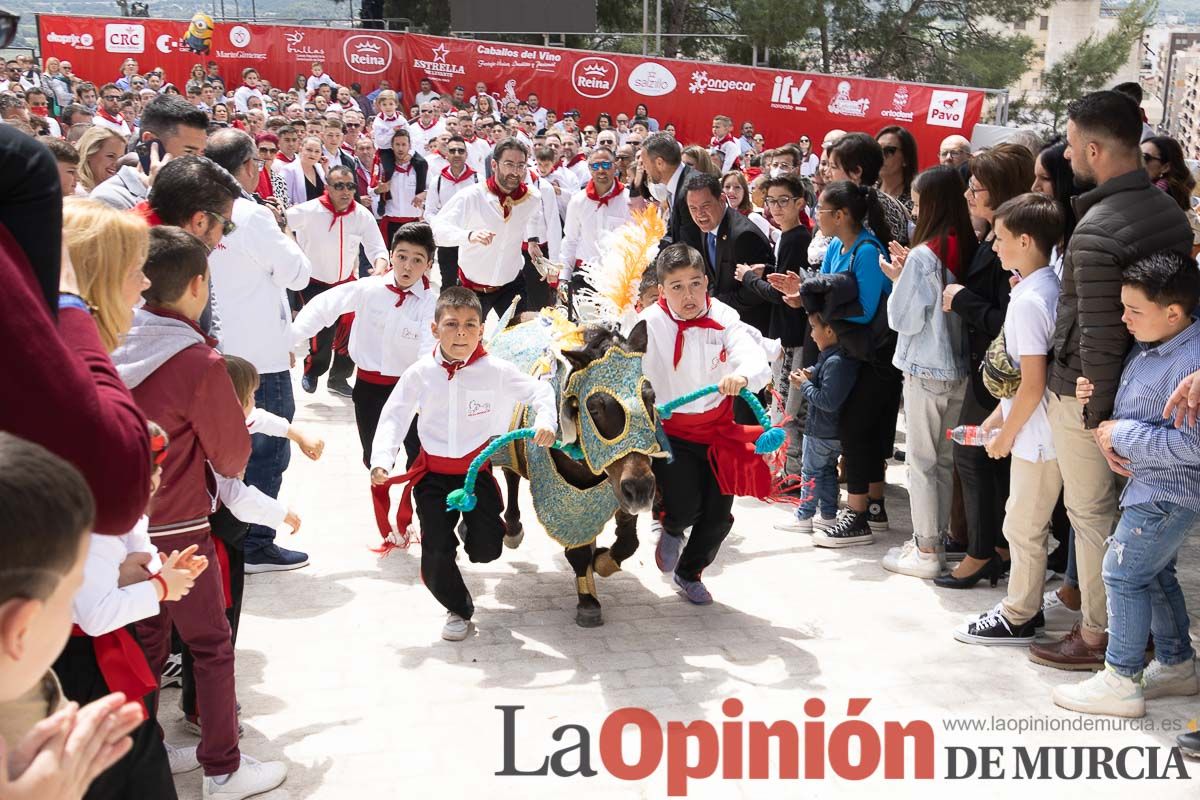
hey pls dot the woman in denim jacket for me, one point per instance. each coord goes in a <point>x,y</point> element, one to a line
<point>931,352</point>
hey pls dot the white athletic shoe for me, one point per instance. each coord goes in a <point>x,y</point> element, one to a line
<point>252,777</point>
<point>181,759</point>
<point>805,525</point>
<point>1058,616</point>
<point>909,560</point>
<point>1177,680</point>
<point>1106,692</point>
<point>456,628</point>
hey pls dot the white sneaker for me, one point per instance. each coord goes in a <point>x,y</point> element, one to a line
<point>456,628</point>
<point>909,560</point>
<point>181,759</point>
<point>1177,680</point>
<point>1058,616</point>
<point>1106,692</point>
<point>805,524</point>
<point>252,777</point>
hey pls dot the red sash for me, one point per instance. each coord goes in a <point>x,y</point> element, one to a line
<point>422,466</point>
<point>377,378</point>
<point>739,470</point>
<point>479,288</point>
<point>122,664</point>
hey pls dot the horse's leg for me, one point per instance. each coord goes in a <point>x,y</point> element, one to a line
<point>608,561</point>
<point>587,612</point>
<point>512,511</point>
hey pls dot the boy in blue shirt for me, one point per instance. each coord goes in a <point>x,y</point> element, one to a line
<point>1160,506</point>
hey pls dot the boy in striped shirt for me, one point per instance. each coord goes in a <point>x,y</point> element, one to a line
<point>1160,506</point>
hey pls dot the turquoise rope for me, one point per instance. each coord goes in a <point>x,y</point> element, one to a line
<point>464,499</point>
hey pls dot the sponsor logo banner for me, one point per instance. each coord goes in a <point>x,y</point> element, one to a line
<point>124,38</point>
<point>947,109</point>
<point>651,80</point>
<point>594,77</point>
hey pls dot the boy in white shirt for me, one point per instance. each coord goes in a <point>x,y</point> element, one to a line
<point>1026,229</point>
<point>696,341</point>
<point>464,398</point>
<point>384,124</point>
<point>392,327</point>
<point>725,149</point>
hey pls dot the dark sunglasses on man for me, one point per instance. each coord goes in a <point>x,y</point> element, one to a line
<point>343,187</point>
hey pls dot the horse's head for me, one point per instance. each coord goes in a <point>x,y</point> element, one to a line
<point>610,404</point>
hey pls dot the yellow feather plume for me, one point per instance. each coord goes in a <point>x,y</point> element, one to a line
<point>626,253</point>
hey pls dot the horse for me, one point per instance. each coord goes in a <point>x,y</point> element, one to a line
<point>607,415</point>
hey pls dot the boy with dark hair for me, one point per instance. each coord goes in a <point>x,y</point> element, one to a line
<point>180,381</point>
<point>464,398</point>
<point>67,158</point>
<point>696,341</point>
<point>1160,505</point>
<point>391,332</point>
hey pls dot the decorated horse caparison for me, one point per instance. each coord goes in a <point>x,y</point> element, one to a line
<point>610,432</point>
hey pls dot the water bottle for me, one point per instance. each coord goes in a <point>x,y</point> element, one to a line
<point>972,435</point>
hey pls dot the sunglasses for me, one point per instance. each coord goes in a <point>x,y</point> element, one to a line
<point>268,151</point>
<point>596,166</point>
<point>310,108</point>
<point>456,151</point>
<point>227,225</point>
<point>1147,158</point>
<point>890,151</point>
<point>111,97</point>
<point>590,130</point>
<point>343,187</point>
<point>804,139</point>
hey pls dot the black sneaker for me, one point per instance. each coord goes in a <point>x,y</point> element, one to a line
<point>1038,621</point>
<point>955,550</point>
<point>877,515</point>
<point>308,383</point>
<point>850,529</point>
<point>339,386</point>
<point>995,629</point>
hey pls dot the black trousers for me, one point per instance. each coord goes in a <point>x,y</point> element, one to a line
<point>691,497</point>
<point>537,292</point>
<point>144,771</point>
<point>369,399</point>
<point>483,537</point>
<point>448,265</point>
<point>232,533</point>
<point>984,484</point>
<point>322,348</point>
<point>867,425</point>
<point>500,298</point>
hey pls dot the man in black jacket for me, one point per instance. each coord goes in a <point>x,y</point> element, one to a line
<point>1120,221</point>
<point>662,159</point>
<point>726,240</point>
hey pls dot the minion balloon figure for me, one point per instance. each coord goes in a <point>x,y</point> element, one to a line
<point>199,33</point>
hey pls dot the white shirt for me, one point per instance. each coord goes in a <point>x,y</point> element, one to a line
<point>477,209</point>
<point>384,338</point>
<point>314,82</point>
<point>242,96</point>
<point>249,504</point>
<point>581,171</point>
<point>427,97</point>
<point>673,184</point>
<point>403,191</point>
<point>565,180</point>
<point>551,230</point>
<point>421,136</point>
<point>251,268</point>
<point>539,116</point>
<point>442,189</point>
<point>588,222</point>
<point>334,251</point>
<point>100,605</point>
<point>121,127</point>
<point>809,165</point>
<point>383,130</point>
<point>458,416</point>
<point>478,154</point>
<point>708,356</point>
<point>731,151</point>
<point>1029,331</point>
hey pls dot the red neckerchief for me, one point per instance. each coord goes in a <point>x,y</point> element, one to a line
<point>452,367</point>
<point>283,158</point>
<point>347,149</point>
<point>715,143</point>
<point>425,127</point>
<point>403,294</point>
<point>467,173</point>
<point>616,189</point>
<point>507,201</point>
<point>471,140</point>
<point>147,213</point>
<point>327,202</point>
<point>576,159</point>
<point>946,248</point>
<point>392,118</point>
<point>117,120</point>
<point>404,168</point>
<point>702,321</point>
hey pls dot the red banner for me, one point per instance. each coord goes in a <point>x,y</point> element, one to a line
<point>783,105</point>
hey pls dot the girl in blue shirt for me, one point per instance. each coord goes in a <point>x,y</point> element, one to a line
<point>867,424</point>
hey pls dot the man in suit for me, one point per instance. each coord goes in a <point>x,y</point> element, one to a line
<point>662,159</point>
<point>727,239</point>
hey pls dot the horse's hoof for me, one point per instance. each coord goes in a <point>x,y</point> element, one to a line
<point>513,541</point>
<point>588,617</point>
<point>605,565</point>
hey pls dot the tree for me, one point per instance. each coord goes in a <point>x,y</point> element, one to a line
<point>1087,67</point>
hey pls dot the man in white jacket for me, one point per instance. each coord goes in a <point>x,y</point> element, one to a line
<point>254,265</point>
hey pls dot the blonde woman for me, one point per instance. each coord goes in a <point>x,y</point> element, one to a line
<point>697,157</point>
<point>107,249</point>
<point>100,150</point>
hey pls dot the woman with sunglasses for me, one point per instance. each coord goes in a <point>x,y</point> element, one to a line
<point>271,183</point>
<point>603,121</point>
<point>810,162</point>
<point>899,163</point>
<point>1168,171</point>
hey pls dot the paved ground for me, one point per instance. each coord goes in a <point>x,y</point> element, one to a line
<point>342,674</point>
